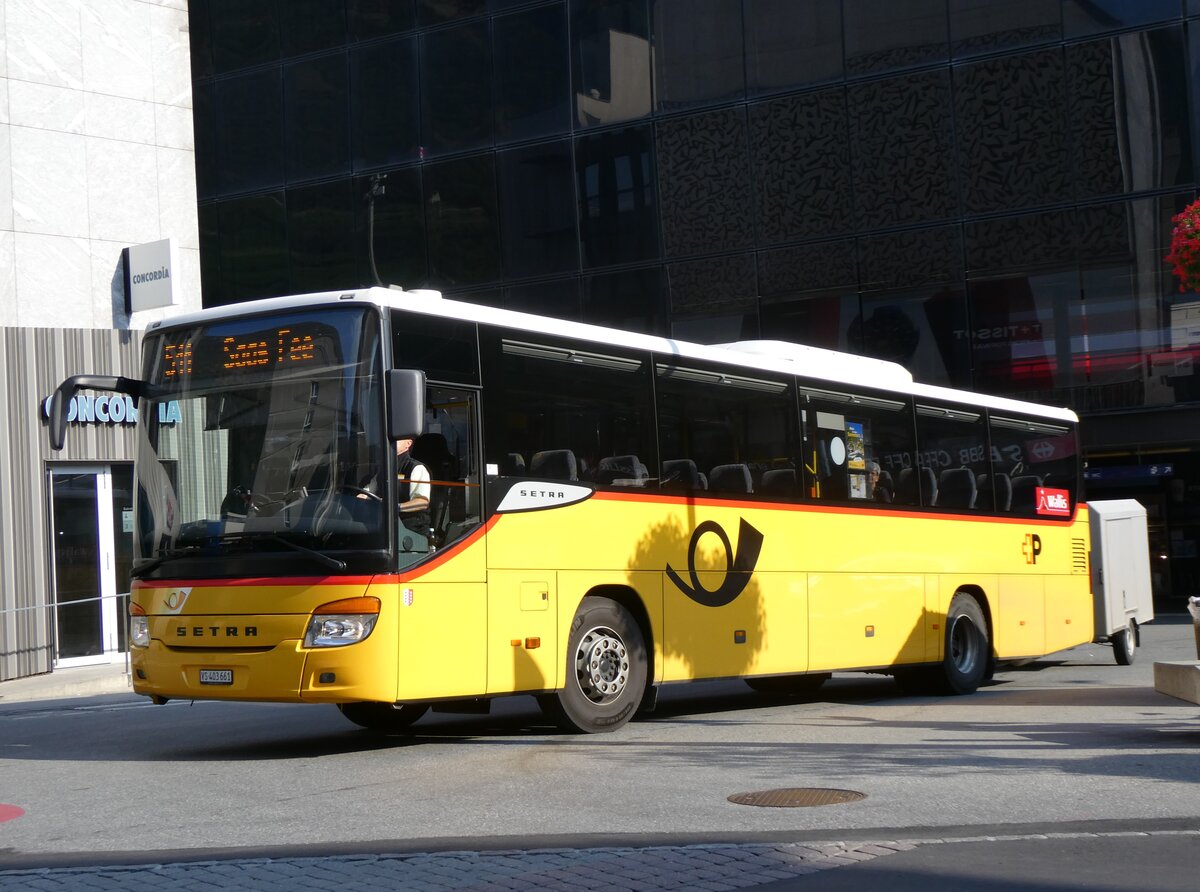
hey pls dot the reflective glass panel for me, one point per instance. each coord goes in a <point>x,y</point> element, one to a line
<point>254,254</point>
<point>538,210</point>
<point>798,147</point>
<point>883,35</point>
<point>704,179</point>
<point>249,115</point>
<point>633,300</point>
<point>321,236</point>
<point>316,101</point>
<point>378,18</point>
<point>791,44</point>
<point>902,147</point>
<point>985,26</point>
<point>456,88</point>
<point>244,32</point>
<point>1084,17</point>
<point>698,55</point>
<point>311,25</point>
<point>618,219</point>
<point>559,298</point>
<point>460,218</point>
<point>610,60</point>
<point>384,105</point>
<point>1128,111</point>
<point>394,224</point>
<point>1010,128</point>
<point>533,84</point>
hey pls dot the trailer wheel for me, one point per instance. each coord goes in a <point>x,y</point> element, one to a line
<point>606,670</point>
<point>1124,645</point>
<point>383,716</point>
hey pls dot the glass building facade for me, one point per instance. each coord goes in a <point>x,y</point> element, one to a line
<point>981,190</point>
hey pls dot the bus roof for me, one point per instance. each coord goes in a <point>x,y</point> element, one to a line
<point>765,355</point>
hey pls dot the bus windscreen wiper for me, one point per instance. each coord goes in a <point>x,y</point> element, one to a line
<point>169,554</point>
<point>330,562</point>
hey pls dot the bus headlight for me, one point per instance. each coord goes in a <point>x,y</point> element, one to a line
<point>139,626</point>
<point>339,623</point>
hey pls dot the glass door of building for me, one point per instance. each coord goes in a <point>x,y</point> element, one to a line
<point>92,543</point>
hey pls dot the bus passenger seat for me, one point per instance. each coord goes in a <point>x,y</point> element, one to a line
<point>627,469</point>
<point>681,473</point>
<point>906,487</point>
<point>780,481</point>
<point>1024,493</point>
<point>514,465</point>
<point>1001,484</point>
<point>554,464</point>
<point>956,488</point>
<point>730,478</point>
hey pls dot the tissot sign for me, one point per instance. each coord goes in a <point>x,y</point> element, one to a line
<point>149,275</point>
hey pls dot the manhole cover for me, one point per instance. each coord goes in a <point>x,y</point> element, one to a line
<point>796,797</point>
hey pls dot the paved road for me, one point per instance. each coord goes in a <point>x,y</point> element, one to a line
<point>278,795</point>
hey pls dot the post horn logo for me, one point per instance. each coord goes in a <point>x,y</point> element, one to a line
<point>738,567</point>
<point>174,600</point>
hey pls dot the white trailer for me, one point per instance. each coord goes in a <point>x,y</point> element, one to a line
<point>1120,562</point>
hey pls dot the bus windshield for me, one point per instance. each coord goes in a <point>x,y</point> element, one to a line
<point>263,435</point>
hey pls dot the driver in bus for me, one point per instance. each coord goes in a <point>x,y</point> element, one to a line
<point>413,480</point>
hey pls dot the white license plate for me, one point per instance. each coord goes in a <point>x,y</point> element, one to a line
<point>216,676</point>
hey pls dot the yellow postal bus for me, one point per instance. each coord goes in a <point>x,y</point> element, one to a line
<point>607,513</point>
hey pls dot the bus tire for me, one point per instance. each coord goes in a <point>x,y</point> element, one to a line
<point>383,716</point>
<point>1124,645</point>
<point>605,671</point>
<point>794,685</point>
<point>967,655</point>
<point>967,650</point>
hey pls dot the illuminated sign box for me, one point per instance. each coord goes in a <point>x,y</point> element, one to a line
<point>149,275</point>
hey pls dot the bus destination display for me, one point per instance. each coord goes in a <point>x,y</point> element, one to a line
<point>214,356</point>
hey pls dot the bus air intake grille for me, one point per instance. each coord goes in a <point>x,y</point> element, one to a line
<point>1079,556</point>
<point>796,797</point>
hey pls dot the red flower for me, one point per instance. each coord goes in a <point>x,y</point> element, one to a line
<point>1185,247</point>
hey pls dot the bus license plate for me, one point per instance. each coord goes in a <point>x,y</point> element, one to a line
<point>216,676</point>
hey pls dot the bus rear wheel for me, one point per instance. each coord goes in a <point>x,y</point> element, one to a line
<point>606,670</point>
<point>966,654</point>
<point>383,716</point>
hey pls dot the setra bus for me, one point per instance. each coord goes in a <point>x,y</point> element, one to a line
<point>608,513</point>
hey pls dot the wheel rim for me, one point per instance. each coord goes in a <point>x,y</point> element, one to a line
<point>964,645</point>
<point>602,665</point>
<point>1130,640</point>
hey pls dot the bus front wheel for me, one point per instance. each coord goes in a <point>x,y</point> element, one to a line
<point>383,716</point>
<point>606,670</point>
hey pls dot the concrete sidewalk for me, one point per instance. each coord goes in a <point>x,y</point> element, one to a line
<point>77,681</point>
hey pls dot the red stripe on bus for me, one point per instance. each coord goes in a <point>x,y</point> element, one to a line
<point>817,508</point>
<point>439,558</point>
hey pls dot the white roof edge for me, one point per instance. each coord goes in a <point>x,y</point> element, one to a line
<point>783,357</point>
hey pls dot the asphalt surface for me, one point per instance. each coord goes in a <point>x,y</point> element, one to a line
<point>1142,853</point>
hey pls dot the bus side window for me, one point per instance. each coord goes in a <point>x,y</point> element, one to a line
<point>562,412</point>
<point>726,433</point>
<point>952,445</point>
<point>859,448</point>
<point>1041,463</point>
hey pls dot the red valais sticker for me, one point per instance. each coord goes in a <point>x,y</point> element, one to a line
<point>1056,502</point>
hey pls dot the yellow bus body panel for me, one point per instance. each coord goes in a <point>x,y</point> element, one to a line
<point>831,588</point>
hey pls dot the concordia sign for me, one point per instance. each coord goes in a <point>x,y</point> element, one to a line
<point>115,409</point>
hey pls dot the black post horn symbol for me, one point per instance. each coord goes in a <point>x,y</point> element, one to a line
<point>738,568</point>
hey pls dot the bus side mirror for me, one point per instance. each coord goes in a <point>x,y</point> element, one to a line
<point>60,402</point>
<point>406,403</point>
<point>56,411</point>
